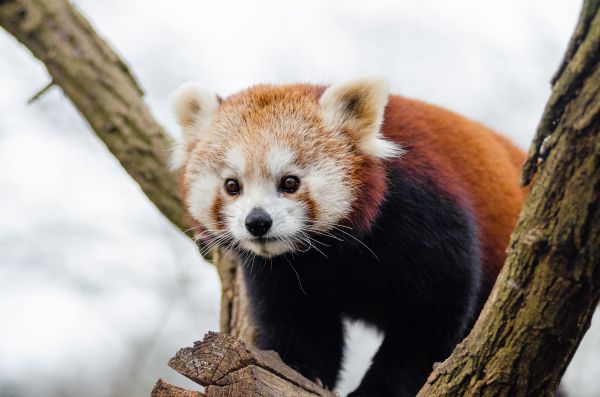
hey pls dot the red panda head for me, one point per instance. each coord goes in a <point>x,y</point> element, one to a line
<point>266,168</point>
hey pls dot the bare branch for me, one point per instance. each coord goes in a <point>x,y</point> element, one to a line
<point>41,92</point>
<point>100,85</point>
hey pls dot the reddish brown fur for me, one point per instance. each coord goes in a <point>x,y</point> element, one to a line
<point>216,210</point>
<point>371,179</point>
<point>453,194</point>
<point>470,162</point>
<point>312,207</point>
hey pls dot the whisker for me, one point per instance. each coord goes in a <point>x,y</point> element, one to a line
<point>361,243</point>
<point>307,240</point>
<point>297,275</point>
<point>192,228</point>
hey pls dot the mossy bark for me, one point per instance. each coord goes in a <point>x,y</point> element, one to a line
<point>101,87</point>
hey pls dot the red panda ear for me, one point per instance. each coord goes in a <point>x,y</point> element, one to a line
<point>357,107</point>
<point>193,107</point>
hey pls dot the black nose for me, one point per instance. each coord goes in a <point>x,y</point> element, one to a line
<point>258,222</point>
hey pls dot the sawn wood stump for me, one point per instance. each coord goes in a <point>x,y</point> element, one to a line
<point>226,366</point>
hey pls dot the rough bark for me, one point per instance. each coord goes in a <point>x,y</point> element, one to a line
<point>545,296</point>
<point>228,367</point>
<point>101,87</point>
<point>164,389</point>
<point>234,303</point>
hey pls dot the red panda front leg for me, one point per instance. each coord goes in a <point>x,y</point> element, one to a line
<point>316,353</point>
<point>306,333</point>
<point>310,342</point>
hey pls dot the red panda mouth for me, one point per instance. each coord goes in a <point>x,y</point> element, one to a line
<point>264,240</point>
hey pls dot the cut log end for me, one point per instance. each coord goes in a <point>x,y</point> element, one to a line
<point>165,389</point>
<point>226,366</point>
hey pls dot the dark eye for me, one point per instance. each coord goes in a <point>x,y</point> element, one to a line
<point>289,184</point>
<point>232,186</point>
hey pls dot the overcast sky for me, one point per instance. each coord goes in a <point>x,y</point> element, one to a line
<point>97,290</point>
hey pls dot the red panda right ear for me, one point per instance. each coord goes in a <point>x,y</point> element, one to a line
<point>357,107</point>
<point>193,107</point>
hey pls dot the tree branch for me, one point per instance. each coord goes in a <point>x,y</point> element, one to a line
<point>101,87</point>
<point>546,294</point>
<point>228,367</point>
<point>99,84</point>
<point>40,93</point>
<point>164,389</point>
<point>578,61</point>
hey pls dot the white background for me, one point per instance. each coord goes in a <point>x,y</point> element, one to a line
<point>97,290</point>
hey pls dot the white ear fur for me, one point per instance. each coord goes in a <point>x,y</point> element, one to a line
<point>357,107</point>
<point>193,107</point>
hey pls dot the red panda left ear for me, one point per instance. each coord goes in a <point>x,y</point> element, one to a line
<point>357,108</point>
<point>193,107</point>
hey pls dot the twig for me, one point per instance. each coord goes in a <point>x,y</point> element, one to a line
<point>40,93</point>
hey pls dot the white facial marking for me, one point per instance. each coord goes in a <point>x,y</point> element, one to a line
<point>329,189</point>
<point>279,161</point>
<point>202,195</point>
<point>287,215</point>
<point>259,167</point>
<point>235,158</point>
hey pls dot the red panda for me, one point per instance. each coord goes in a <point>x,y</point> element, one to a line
<point>348,202</point>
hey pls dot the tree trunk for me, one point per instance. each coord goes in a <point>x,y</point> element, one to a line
<point>543,301</point>
<point>546,294</point>
<point>101,87</point>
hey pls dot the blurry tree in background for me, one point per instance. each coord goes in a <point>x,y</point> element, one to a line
<point>546,294</point>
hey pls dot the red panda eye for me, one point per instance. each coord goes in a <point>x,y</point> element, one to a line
<point>290,184</point>
<point>232,186</point>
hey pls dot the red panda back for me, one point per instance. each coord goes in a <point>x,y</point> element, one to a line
<point>469,162</point>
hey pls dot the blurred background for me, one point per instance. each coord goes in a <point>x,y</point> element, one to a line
<point>97,289</point>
